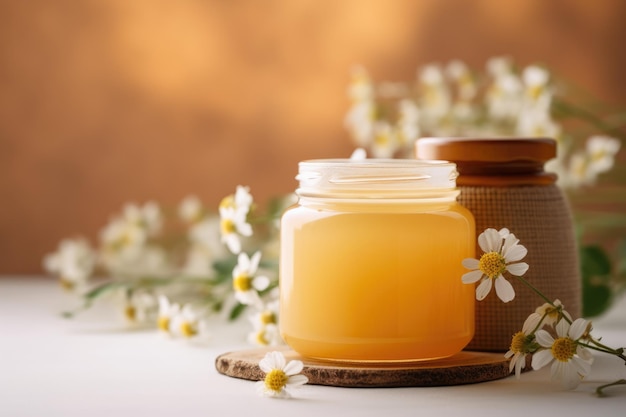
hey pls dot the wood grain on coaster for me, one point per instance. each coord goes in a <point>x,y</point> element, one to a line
<point>466,367</point>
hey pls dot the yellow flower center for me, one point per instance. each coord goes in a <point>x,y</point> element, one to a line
<point>492,264</point>
<point>242,283</point>
<point>130,312</point>
<point>228,226</point>
<point>563,349</point>
<point>275,380</point>
<point>228,201</point>
<point>268,317</point>
<point>261,338</point>
<point>188,329</point>
<point>518,342</point>
<point>382,139</point>
<point>66,284</point>
<point>164,323</point>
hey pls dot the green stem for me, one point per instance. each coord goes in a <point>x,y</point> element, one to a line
<point>539,293</point>
<point>599,390</point>
<point>567,108</point>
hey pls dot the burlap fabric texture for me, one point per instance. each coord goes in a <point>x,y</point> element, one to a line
<point>540,217</point>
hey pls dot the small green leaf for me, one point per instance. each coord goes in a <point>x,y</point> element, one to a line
<point>596,299</point>
<point>236,311</point>
<point>225,266</point>
<point>594,261</point>
<point>595,270</point>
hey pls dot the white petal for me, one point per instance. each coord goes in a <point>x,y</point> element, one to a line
<point>293,367</point>
<point>279,359</point>
<point>509,241</point>
<point>515,253</point>
<point>585,354</point>
<point>562,327</point>
<point>243,262</point>
<point>232,242</point>
<point>504,289</point>
<point>504,232</point>
<point>519,365</point>
<point>470,263</point>
<point>544,338</point>
<point>244,229</point>
<point>531,323</point>
<point>267,363</point>
<point>254,262</point>
<point>580,366</point>
<point>490,241</point>
<point>297,380</point>
<point>577,329</point>
<point>541,359</point>
<point>471,277</point>
<point>517,269</point>
<point>261,282</point>
<point>483,289</point>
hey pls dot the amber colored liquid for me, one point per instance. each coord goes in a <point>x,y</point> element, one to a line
<point>372,285</point>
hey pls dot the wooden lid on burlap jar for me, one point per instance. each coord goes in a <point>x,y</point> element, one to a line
<point>504,184</point>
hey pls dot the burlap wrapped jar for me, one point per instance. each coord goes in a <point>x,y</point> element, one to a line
<point>503,183</point>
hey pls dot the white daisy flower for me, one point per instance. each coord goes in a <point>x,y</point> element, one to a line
<point>552,313</point>
<point>359,121</point>
<point>188,323</point>
<point>167,312</point>
<point>190,209</point>
<point>499,65</point>
<point>536,81</point>
<point>245,283</point>
<point>265,325</point>
<point>601,151</point>
<point>241,200</point>
<point>570,361</point>
<point>140,307</point>
<point>73,262</point>
<point>233,224</point>
<point>504,97</point>
<point>267,335</point>
<point>522,344</point>
<point>280,375</point>
<point>498,258</point>
<point>385,141</point>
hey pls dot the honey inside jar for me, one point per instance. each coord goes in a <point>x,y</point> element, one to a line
<point>371,269</point>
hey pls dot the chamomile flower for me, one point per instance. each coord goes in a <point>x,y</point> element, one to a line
<point>571,362</point>
<point>245,282</point>
<point>552,313</point>
<point>190,209</point>
<point>167,312</point>
<point>188,323</point>
<point>501,254</point>
<point>522,344</point>
<point>265,325</point>
<point>601,151</point>
<point>385,142</point>
<point>140,307</point>
<point>73,262</point>
<point>280,375</point>
<point>267,335</point>
<point>233,224</point>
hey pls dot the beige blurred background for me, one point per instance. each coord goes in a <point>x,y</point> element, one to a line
<point>104,102</point>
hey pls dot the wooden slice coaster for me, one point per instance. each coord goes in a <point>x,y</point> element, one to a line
<point>466,367</point>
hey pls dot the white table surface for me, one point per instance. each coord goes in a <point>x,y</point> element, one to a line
<point>93,365</point>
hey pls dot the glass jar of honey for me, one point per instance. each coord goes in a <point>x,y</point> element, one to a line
<point>370,266</point>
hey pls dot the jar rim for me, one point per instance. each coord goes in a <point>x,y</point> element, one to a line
<point>375,178</point>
